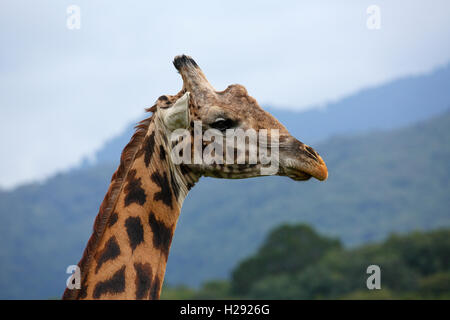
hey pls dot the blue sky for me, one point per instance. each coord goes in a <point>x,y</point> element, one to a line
<point>64,92</point>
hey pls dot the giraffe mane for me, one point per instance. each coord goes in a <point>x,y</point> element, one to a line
<point>110,199</point>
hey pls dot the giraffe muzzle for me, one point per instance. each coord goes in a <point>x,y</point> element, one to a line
<point>301,162</point>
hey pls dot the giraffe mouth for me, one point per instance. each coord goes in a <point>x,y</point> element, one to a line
<point>297,175</point>
<point>303,169</point>
<point>300,162</point>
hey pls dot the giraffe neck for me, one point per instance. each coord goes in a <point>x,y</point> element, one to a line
<point>128,260</point>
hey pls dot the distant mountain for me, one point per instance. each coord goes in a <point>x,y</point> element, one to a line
<point>379,183</point>
<point>396,104</point>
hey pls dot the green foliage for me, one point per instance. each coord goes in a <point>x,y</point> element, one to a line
<point>384,294</point>
<point>180,292</point>
<point>436,285</point>
<point>210,290</point>
<point>337,273</point>
<point>425,254</point>
<point>415,263</point>
<point>275,256</point>
<point>215,289</point>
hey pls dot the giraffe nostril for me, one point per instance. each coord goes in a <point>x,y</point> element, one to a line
<point>312,153</point>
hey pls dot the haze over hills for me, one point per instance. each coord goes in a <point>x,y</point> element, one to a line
<point>380,182</point>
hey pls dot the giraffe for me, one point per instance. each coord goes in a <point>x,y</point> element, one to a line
<point>126,255</point>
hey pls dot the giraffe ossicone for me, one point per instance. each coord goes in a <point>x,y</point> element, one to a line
<point>126,256</point>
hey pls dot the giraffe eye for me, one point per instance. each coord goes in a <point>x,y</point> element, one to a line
<point>222,124</point>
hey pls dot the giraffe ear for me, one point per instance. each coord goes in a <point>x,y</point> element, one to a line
<point>177,116</point>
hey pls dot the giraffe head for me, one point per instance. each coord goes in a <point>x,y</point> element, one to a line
<point>226,134</point>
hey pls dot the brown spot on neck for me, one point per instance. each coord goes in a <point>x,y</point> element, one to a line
<point>155,289</point>
<point>109,252</point>
<point>143,280</point>
<point>133,189</point>
<point>162,234</point>
<point>165,195</point>
<point>114,285</point>
<point>135,231</point>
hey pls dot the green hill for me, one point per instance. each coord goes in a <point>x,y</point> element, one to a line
<point>379,183</point>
